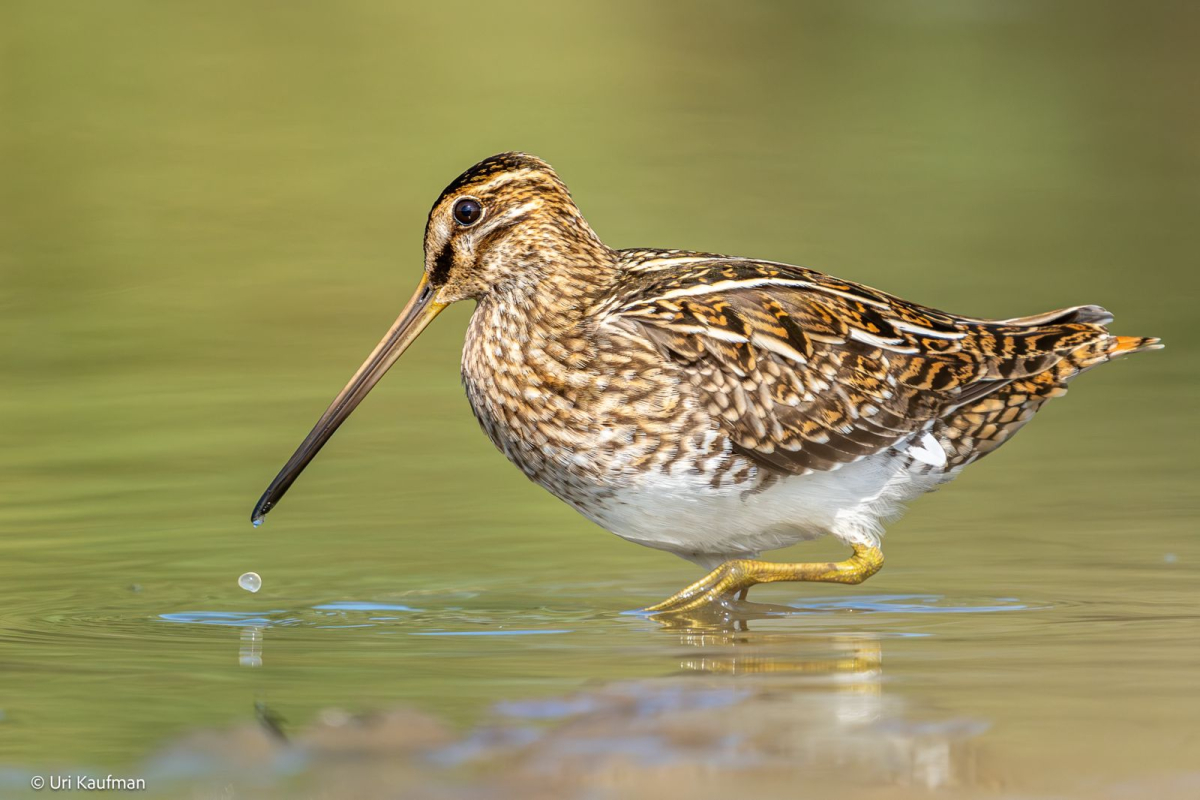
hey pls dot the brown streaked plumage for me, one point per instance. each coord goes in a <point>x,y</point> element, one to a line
<point>708,405</point>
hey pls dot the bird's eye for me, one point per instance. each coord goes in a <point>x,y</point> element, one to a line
<point>467,211</point>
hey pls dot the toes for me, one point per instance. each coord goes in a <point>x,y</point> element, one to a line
<point>686,598</point>
<point>722,583</point>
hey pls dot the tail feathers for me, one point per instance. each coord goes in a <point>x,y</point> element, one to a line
<point>1109,347</point>
<point>980,425</point>
<point>1091,315</point>
<point>1123,345</point>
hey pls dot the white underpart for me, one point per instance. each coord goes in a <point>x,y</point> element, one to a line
<point>688,517</point>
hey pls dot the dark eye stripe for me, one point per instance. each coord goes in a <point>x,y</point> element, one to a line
<point>444,261</point>
<point>442,264</point>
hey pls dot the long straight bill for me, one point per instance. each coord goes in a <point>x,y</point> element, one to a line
<point>419,312</point>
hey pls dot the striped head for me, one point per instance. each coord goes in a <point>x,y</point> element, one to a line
<point>507,226</point>
<point>507,221</point>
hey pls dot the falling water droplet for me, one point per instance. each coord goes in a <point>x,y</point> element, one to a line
<point>251,582</point>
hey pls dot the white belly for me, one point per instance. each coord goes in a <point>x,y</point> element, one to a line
<point>690,518</point>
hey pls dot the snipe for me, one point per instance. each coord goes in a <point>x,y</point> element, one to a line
<point>712,406</point>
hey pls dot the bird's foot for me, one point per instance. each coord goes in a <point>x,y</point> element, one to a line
<point>722,585</point>
<point>733,579</point>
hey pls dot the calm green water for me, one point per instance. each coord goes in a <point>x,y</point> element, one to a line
<point>210,212</point>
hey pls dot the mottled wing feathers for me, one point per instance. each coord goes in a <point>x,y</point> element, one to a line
<point>795,377</point>
<point>805,372</point>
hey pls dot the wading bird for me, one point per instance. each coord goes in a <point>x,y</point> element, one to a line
<point>712,406</point>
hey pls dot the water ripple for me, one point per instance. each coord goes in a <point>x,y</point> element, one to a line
<point>909,604</point>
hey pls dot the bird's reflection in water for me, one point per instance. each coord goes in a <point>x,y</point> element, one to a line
<point>751,701</point>
<point>814,702</point>
<point>728,646</point>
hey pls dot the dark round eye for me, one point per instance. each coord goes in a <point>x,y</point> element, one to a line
<point>467,211</point>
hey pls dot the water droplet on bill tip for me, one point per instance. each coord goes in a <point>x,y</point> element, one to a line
<point>250,581</point>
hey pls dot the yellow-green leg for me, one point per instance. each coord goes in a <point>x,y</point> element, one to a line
<point>737,576</point>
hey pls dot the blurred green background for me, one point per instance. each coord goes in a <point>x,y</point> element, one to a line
<point>209,213</point>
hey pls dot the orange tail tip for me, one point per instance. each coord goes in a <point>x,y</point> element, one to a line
<point>1122,345</point>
